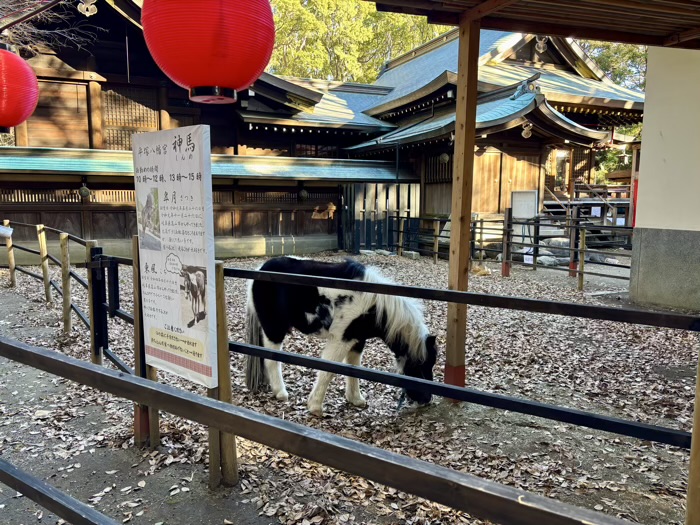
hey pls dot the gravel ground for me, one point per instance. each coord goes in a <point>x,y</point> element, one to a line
<point>641,373</point>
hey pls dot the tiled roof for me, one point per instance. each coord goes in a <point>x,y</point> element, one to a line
<point>415,73</point>
<point>342,104</point>
<point>556,81</point>
<point>490,114</point>
<point>487,114</point>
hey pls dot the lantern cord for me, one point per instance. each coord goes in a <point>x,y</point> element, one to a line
<point>31,14</point>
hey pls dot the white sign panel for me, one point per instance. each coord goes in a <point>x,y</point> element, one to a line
<point>596,211</point>
<point>172,175</point>
<point>528,259</point>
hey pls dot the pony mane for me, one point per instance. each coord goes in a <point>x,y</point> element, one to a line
<point>403,316</point>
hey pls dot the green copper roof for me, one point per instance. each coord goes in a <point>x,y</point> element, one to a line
<point>60,161</point>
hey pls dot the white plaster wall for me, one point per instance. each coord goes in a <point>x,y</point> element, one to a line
<point>669,175</point>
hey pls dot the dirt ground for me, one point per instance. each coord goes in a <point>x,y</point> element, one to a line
<point>78,439</point>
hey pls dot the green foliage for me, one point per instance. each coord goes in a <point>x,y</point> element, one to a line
<point>342,40</point>
<point>625,64</point>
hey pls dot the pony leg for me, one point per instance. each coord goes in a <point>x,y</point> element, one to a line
<point>273,371</point>
<point>333,352</point>
<point>352,384</point>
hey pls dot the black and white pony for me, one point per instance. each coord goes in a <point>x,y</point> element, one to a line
<point>345,318</point>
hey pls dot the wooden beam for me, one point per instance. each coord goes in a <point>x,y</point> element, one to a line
<point>683,36</point>
<point>486,8</point>
<point>50,498</point>
<point>462,179</point>
<point>548,28</point>
<point>574,31</point>
<point>95,105</point>
<point>479,497</point>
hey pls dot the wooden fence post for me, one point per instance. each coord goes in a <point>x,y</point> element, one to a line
<point>402,226</point>
<point>95,353</point>
<point>507,242</point>
<point>581,258</point>
<point>482,253</point>
<point>65,282</point>
<point>692,516</point>
<point>141,420</point>
<point>436,239</point>
<point>10,256</point>
<point>229,458</point>
<point>44,254</point>
<point>573,231</point>
<point>536,242</point>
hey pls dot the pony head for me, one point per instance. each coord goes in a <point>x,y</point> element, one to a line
<point>421,368</point>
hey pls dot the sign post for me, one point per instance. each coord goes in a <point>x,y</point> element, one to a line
<point>172,173</point>
<point>174,208</point>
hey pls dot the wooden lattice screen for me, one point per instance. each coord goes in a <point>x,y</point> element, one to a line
<point>581,169</point>
<point>437,170</point>
<point>126,110</point>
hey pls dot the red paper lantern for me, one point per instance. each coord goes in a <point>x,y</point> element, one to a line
<point>19,90</point>
<point>211,47</point>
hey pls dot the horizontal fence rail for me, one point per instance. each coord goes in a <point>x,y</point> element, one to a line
<point>480,498</point>
<point>52,499</point>
<point>614,425</point>
<point>623,315</point>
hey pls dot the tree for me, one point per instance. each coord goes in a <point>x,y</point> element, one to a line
<point>625,64</point>
<point>59,26</point>
<point>343,40</point>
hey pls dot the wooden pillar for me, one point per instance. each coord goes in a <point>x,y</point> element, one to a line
<point>465,129</point>
<point>95,98</point>
<point>229,458</point>
<point>140,411</point>
<point>629,220</point>
<point>402,227</point>
<point>163,112</point>
<point>581,258</point>
<point>10,256</point>
<point>95,353</point>
<point>436,239</point>
<point>22,135</point>
<point>65,282</point>
<point>44,254</point>
<point>693,502</point>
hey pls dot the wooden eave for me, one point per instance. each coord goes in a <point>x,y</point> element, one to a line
<point>273,120</point>
<point>447,78</point>
<point>649,22</point>
<point>286,92</point>
<point>128,10</point>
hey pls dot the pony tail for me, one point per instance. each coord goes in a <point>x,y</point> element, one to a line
<point>254,369</point>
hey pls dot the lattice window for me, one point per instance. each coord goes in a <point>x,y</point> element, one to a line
<point>132,107</point>
<point>284,197</point>
<point>112,196</point>
<point>8,196</point>
<point>438,168</point>
<point>582,164</point>
<point>128,109</point>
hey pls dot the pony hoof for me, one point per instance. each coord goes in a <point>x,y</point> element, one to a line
<point>318,412</point>
<point>282,396</point>
<point>359,403</point>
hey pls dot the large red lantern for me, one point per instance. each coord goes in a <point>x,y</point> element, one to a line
<point>211,47</point>
<point>19,90</point>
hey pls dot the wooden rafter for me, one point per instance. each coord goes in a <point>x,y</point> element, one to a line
<point>486,8</point>
<point>685,36</point>
<point>649,22</point>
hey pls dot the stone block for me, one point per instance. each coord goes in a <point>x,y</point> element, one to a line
<point>411,255</point>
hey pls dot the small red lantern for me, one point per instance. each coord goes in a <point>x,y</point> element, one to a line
<point>19,90</point>
<point>211,47</point>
